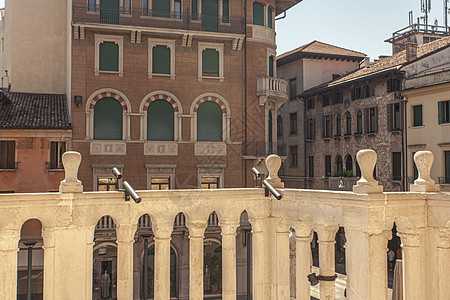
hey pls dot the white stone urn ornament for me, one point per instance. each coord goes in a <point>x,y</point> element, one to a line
<point>71,161</point>
<point>424,183</point>
<point>367,160</point>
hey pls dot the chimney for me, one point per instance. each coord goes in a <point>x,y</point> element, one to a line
<point>5,81</point>
<point>367,62</point>
<point>411,51</point>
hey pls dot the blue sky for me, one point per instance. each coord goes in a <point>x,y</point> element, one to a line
<point>360,25</point>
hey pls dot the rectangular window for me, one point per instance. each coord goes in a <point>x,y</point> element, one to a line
<point>396,166</point>
<point>225,11</point>
<point>311,166</point>
<point>370,120</point>
<point>269,17</point>
<point>292,88</point>
<point>394,85</point>
<point>210,62</point>
<point>91,5</point>
<point>161,59</point>
<point>109,56</point>
<point>326,126</point>
<point>210,183</point>
<point>293,124</point>
<point>57,149</point>
<point>327,165</point>
<point>394,116</point>
<point>270,66</point>
<point>447,166</point>
<point>417,115</point>
<point>258,13</point>
<point>310,129</point>
<point>279,126</point>
<point>177,9</point>
<point>159,183</point>
<point>106,184</point>
<point>444,111</point>
<point>161,8</point>
<point>8,155</point>
<point>415,172</point>
<point>293,152</point>
<point>310,103</point>
<point>325,100</point>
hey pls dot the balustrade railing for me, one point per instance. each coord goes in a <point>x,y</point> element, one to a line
<point>272,86</point>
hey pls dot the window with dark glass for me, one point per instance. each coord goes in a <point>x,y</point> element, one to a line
<point>371,120</point>
<point>339,165</point>
<point>271,60</point>
<point>159,183</point>
<point>444,112</point>
<point>109,56</point>
<point>106,184</point>
<point>310,129</point>
<point>394,116</point>
<point>91,5</point>
<point>359,122</point>
<point>258,13</point>
<point>326,126</point>
<point>348,123</point>
<point>293,124</point>
<point>7,155</point>
<point>279,126</point>
<point>210,62</point>
<point>417,115</point>
<point>337,98</point>
<point>177,9</point>
<point>447,166</point>
<point>210,183</point>
<point>311,166</point>
<point>269,17</point>
<point>349,164</point>
<point>293,153</point>
<point>161,8</point>
<point>325,100</point>
<point>394,85</point>
<point>161,59</point>
<point>57,149</point>
<point>160,121</point>
<point>338,125</point>
<point>292,88</point>
<point>225,11</point>
<point>327,165</point>
<point>396,166</point>
<point>310,103</point>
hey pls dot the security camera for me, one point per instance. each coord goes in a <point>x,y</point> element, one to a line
<point>117,173</point>
<point>129,191</point>
<point>256,172</point>
<point>272,190</point>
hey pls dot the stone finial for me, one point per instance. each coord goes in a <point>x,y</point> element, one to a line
<point>424,183</point>
<point>273,164</point>
<point>367,159</point>
<point>71,161</point>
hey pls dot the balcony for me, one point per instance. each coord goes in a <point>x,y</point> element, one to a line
<point>151,19</point>
<point>241,218</point>
<point>271,89</point>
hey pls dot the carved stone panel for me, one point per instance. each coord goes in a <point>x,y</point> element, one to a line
<point>210,149</point>
<point>160,148</point>
<point>108,148</point>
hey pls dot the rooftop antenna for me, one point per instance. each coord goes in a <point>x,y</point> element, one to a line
<point>425,7</point>
<point>411,17</point>
<point>446,12</point>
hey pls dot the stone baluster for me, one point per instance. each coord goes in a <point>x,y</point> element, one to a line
<point>412,284</point>
<point>303,239</point>
<point>367,159</point>
<point>424,183</point>
<point>196,236</point>
<point>282,260</point>
<point>48,236</point>
<point>125,241</point>
<point>163,232</point>
<point>9,241</point>
<point>71,161</point>
<point>366,264</point>
<point>443,259</point>
<point>229,259</point>
<point>258,255</point>
<point>327,235</point>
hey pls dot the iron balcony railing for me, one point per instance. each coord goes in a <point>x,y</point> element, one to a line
<point>262,148</point>
<point>419,28</point>
<point>49,166</point>
<point>157,19</point>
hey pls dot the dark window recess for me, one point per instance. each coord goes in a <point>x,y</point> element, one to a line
<point>447,166</point>
<point>444,112</point>
<point>417,115</point>
<point>396,166</point>
<point>310,129</point>
<point>363,91</point>
<point>348,123</point>
<point>311,166</point>
<point>225,11</point>
<point>57,149</point>
<point>293,152</point>
<point>326,123</point>
<point>293,124</point>
<point>336,76</point>
<point>337,98</point>
<point>359,122</point>
<point>7,155</point>
<point>279,126</point>
<point>371,119</point>
<point>338,125</point>
<point>161,59</point>
<point>394,116</point>
<point>160,121</point>
<point>349,164</point>
<point>269,17</point>
<point>193,9</point>
<point>339,166</point>
<point>271,59</point>
<point>310,103</point>
<point>325,100</point>
<point>327,165</point>
<point>292,88</point>
<point>108,116</point>
<point>161,8</point>
<point>394,85</point>
<point>209,122</point>
<point>210,62</point>
<point>358,169</point>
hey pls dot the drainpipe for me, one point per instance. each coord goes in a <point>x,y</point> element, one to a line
<point>245,90</point>
<point>304,140</point>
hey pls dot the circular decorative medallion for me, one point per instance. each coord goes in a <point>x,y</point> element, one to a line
<point>346,103</point>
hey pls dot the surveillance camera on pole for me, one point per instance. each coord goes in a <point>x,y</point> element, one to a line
<point>128,189</point>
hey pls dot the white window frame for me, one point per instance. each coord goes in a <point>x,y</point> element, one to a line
<point>210,171</point>
<point>272,52</point>
<point>161,42</point>
<point>118,40</point>
<point>219,48</point>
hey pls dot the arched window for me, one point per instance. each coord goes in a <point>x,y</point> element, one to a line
<point>270,131</point>
<point>209,122</point>
<point>258,13</point>
<point>279,126</point>
<point>359,122</point>
<point>348,123</point>
<point>358,170</point>
<point>338,125</point>
<point>212,270</point>
<point>339,165</point>
<point>107,119</point>
<point>349,164</point>
<point>160,121</point>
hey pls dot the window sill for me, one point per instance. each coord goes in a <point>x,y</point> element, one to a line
<point>8,170</point>
<point>309,140</point>
<point>395,131</point>
<point>151,75</point>
<point>417,127</point>
<point>326,138</point>
<point>221,78</point>
<point>347,135</point>
<point>337,137</point>
<point>445,124</point>
<point>168,18</point>
<point>98,72</point>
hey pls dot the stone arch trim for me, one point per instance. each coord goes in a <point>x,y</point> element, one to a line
<point>161,95</point>
<point>224,106</point>
<point>107,92</point>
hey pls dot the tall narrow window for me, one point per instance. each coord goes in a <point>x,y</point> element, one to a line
<point>371,120</point>
<point>279,126</point>
<point>209,122</point>
<point>311,166</point>
<point>269,129</point>
<point>326,126</point>
<point>447,166</point>
<point>269,17</point>
<point>327,165</point>
<point>210,62</point>
<point>177,8</point>
<point>144,5</point>
<point>194,9</point>
<point>444,111</point>
<point>271,60</point>
<point>7,154</point>
<point>161,59</point>
<point>359,122</point>
<point>108,119</point>
<point>348,123</point>
<point>396,166</point>
<point>338,125</point>
<point>91,5</point>
<point>349,165</point>
<point>310,129</point>
<point>394,116</point>
<point>160,121</point>
<point>225,11</point>
<point>339,165</point>
<point>57,149</point>
<point>109,56</point>
<point>292,88</point>
<point>293,150</point>
<point>293,123</point>
<point>417,115</point>
<point>258,14</point>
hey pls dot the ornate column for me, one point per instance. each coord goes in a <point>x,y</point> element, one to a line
<point>282,260</point>
<point>9,246</point>
<point>411,265</point>
<point>302,262</point>
<point>229,259</point>
<point>125,241</point>
<point>258,268</point>
<point>196,235</point>
<point>327,235</point>
<point>48,236</point>
<point>163,232</point>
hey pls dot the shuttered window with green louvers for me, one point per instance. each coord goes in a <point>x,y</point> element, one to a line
<point>108,119</point>
<point>109,56</point>
<point>269,17</point>
<point>161,8</point>
<point>161,59</point>
<point>210,62</point>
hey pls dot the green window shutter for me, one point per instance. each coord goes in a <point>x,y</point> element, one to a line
<point>269,17</point>
<point>108,119</point>
<point>160,121</point>
<point>194,9</point>
<point>441,108</point>
<point>161,59</point>
<point>109,11</point>
<point>225,11</point>
<point>258,13</point>
<point>271,66</point>
<point>270,131</point>
<point>417,115</point>
<point>210,15</point>
<point>447,166</point>
<point>210,62</point>
<point>209,122</point>
<point>161,8</point>
<point>109,56</point>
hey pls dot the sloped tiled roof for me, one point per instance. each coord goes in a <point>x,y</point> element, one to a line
<point>34,111</point>
<point>385,64</point>
<point>321,50</point>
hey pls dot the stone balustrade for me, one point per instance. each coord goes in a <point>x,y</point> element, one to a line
<point>367,214</point>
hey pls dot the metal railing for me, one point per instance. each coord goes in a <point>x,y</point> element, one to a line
<point>158,19</point>
<point>444,180</point>
<point>262,148</point>
<point>54,166</point>
<point>10,167</point>
<point>419,28</point>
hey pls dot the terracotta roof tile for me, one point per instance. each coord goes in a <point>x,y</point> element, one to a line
<point>317,47</point>
<point>34,111</point>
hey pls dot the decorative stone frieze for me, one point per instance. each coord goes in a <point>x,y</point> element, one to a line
<point>210,149</point>
<point>160,148</point>
<point>108,148</point>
